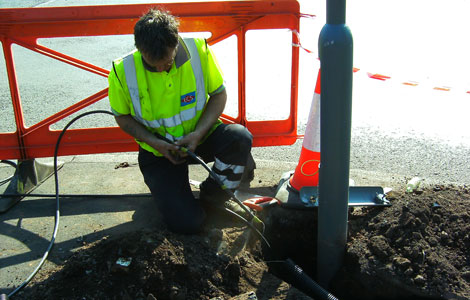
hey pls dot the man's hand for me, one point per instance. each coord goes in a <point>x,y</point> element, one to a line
<point>138,131</point>
<point>212,112</point>
<point>190,142</point>
<point>170,151</point>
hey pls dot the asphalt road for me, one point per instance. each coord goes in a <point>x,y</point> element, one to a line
<point>397,132</point>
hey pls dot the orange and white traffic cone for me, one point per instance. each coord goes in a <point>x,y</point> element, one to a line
<point>306,172</point>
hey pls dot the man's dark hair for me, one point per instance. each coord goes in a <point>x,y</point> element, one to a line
<point>155,33</point>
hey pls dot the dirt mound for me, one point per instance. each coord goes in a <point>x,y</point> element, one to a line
<point>159,264</point>
<point>418,247</point>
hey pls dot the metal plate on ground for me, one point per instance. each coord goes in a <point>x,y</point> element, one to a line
<point>358,196</point>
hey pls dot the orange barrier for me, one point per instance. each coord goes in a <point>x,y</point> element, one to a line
<point>306,172</point>
<point>23,26</point>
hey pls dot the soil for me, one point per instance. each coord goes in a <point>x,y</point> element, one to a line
<point>417,248</point>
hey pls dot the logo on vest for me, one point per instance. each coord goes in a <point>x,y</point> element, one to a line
<point>188,98</point>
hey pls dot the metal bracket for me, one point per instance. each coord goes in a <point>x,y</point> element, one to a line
<point>28,175</point>
<point>358,196</point>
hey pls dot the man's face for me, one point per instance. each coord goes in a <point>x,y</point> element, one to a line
<point>162,64</point>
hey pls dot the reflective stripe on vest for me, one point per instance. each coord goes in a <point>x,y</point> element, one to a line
<point>185,115</point>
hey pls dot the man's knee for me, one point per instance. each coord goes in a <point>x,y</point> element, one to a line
<point>241,135</point>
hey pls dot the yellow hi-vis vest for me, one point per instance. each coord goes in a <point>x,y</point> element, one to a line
<point>175,113</point>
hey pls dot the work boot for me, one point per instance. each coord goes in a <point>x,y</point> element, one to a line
<point>211,193</point>
<point>212,196</point>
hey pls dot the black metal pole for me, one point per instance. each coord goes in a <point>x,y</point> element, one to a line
<point>336,55</point>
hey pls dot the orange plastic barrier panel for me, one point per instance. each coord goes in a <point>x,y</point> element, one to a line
<point>24,26</point>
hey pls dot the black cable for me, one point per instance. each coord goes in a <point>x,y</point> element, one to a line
<point>57,212</point>
<point>253,217</point>
<point>250,224</point>
<point>213,175</point>
<point>317,289</point>
<point>306,284</point>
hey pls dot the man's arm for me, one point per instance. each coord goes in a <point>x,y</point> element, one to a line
<point>138,131</point>
<point>214,108</point>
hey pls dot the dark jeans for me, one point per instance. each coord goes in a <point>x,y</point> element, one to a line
<point>169,183</point>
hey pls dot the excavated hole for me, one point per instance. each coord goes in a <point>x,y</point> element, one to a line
<point>293,234</point>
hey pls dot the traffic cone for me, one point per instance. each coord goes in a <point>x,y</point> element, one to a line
<point>306,172</point>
